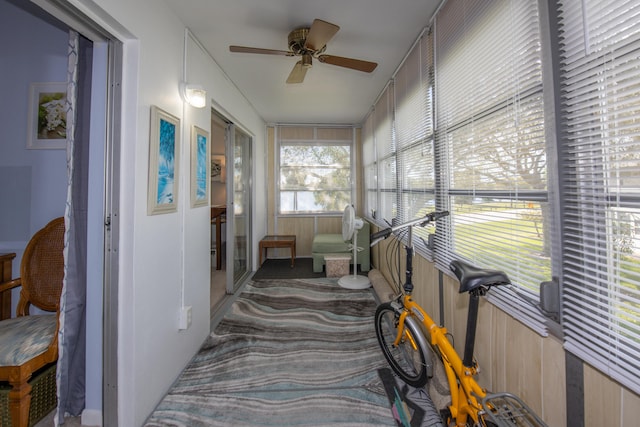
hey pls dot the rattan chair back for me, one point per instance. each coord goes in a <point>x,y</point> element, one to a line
<point>42,269</point>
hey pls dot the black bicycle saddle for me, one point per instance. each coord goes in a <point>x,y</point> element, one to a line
<point>472,277</point>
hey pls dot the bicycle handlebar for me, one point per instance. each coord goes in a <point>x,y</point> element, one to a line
<point>383,234</point>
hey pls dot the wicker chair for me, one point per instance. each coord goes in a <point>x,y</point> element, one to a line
<point>30,342</point>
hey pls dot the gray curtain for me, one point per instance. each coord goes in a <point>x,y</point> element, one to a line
<point>72,335</point>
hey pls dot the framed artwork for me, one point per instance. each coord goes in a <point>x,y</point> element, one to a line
<point>217,168</point>
<point>47,116</point>
<point>199,167</point>
<point>164,150</point>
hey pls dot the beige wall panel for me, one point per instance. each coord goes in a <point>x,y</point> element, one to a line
<point>554,401</point>
<point>335,134</point>
<point>329,225</point>
<point>295,133</point>
<point>602,400</point>
<point>484,343</point>
<point>426,291</point>
<point>375,252</point>
<point>499,350</point>
<point>459,309</point>
<point>388,258</point>
<point>524,364</point>
<point>271,197</point>
<point>303,228</point>
<point>630,409</point>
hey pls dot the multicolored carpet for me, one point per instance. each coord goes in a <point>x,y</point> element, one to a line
<point>297,352</point>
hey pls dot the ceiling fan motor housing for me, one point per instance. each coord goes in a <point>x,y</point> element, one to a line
<point>297,40</point>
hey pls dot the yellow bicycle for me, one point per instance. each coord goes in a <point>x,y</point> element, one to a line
<point>405,346</point>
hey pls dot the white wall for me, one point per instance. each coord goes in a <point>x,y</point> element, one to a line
<point>164,259</point>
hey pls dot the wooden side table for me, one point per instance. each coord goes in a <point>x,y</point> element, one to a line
<point>5,276</point>
<point>273,241</point>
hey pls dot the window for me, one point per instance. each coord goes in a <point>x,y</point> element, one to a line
<point>491,146</point>
<point>414,134</point>
<point>315,166</point>
<point>399,176</point>
<point>385,146</point>
<point>370,168</point>
<point>600,80</point>
<point>519,201</point>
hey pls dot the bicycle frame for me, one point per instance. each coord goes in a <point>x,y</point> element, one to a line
<point>466,394</point>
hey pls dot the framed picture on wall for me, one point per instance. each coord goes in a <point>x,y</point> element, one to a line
<point>200,149</point>
<point>164,150</point>
<point>217,168</point>
<point>47,116</point>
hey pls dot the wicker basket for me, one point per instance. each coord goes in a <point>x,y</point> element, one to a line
<point>43,396</point>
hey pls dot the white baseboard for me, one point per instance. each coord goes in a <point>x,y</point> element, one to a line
<point>92,417</point>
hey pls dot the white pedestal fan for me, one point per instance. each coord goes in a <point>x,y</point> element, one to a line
<point>350,227</point>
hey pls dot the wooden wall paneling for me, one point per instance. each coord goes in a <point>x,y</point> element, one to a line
<point>459,308</point>
<point>426,291</point>
<point>484,348</point>
<point>499,350</point>
<point>375,251</point>
<point>554,389</point>
<point>602,400</point>
<point>329,225</point>
<point>304,133</point>
<point>630,408</point>
<point>334,134</point>
<point>303,228</point>
<point>524,364</point>
<point>271,183</point>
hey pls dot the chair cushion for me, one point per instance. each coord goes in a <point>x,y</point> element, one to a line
<point>328,243</point>
<point>23,338</point>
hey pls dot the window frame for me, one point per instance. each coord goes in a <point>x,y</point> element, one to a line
<point>314,141</point>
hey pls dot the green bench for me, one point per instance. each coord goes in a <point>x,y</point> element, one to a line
<point>324,244</point>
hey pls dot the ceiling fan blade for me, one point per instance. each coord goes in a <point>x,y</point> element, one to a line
<point>354,64</point>
<point>298,73</point>
<point>244,49</point>
<point>319,34</point>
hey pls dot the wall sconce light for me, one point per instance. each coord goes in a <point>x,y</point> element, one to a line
<point>194,95</point>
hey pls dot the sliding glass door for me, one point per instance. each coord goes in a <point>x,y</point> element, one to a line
<point>239,190</point>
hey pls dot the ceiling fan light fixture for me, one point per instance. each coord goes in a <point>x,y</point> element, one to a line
<point>193,94</point>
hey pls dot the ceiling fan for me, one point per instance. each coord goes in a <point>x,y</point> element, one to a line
<point>309,43</point>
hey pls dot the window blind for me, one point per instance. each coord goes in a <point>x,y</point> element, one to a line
<point>413,127</point>
<point>386,150</point>
<point>414,130</point>
<point>370,168</point>
<point>491,147</point>
<point>600,131</point>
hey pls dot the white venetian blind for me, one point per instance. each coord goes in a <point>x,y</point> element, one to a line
<point>370,168</point>
<point>600,87</point>
<point>491,146</point>
<point>414,130</point>
<point>385,146</point>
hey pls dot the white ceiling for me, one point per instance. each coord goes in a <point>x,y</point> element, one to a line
<point>380,31</point>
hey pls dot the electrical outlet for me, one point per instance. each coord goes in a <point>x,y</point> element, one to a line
<point>185,318</point>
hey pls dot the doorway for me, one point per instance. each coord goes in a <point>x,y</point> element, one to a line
<point>218,211</point>
<point>231,210</point>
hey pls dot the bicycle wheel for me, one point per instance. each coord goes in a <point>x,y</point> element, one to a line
<point>405,360</point>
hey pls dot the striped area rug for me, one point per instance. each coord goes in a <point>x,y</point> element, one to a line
<point>288,353</point>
